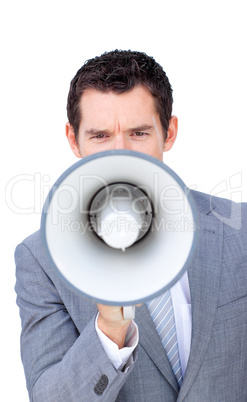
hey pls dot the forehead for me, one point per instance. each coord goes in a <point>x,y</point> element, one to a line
<point>132,105</point>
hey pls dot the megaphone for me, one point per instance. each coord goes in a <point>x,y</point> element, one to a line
<point>119,228</point>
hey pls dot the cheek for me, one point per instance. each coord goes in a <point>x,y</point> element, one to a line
<point>153,149</point>
<point>87,148</point>
<point>158,148</point>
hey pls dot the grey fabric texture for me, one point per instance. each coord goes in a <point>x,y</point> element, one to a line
<point>62,355</point>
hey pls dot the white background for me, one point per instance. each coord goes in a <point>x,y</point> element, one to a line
<point>202,47</point>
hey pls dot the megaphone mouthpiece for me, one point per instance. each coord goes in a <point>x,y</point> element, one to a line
<point>120,214</point>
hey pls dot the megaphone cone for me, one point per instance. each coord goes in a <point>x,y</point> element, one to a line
<point>119,227</point>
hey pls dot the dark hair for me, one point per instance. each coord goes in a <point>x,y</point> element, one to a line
<point>119,71</point>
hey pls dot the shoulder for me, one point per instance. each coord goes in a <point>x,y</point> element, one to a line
<point>232,215</point>
<point>32,240</point>
<point>32,243</point>
<point>207,202</point>
<point>31,252</point>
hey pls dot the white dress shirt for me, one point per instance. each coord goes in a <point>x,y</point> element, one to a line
<point>182,310</point>
<point>120,357</point>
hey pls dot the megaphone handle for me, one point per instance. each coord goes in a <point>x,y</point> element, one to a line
<point>129,312</point>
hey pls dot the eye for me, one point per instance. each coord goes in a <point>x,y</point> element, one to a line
<point>139,134</point>
<point>99,136</point>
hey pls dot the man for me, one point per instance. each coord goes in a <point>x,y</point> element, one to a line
<point>73,350</point>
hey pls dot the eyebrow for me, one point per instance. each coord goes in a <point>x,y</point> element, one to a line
<point>142,127</point>
<point>93,131</point>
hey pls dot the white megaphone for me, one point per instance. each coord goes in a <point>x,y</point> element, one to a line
<point>119,227</point>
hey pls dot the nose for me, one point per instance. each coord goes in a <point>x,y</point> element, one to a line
<point>120,142</point>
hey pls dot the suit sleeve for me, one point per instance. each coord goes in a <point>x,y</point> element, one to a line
<point>60,364</point>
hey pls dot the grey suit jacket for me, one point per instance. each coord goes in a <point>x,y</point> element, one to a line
<point>64,360</point>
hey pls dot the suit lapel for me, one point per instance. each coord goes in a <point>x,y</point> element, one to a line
<point>204,280</point>
<point>151,343</point>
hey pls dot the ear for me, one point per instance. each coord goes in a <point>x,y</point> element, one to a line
<point>171,133</point>
<point>72,141</point>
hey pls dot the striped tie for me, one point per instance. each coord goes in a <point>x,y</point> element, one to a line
<point>162,314</point>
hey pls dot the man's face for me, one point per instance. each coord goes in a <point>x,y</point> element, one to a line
<point>120,121</point>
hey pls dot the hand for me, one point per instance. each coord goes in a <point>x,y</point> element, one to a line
<point>112,323</point>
